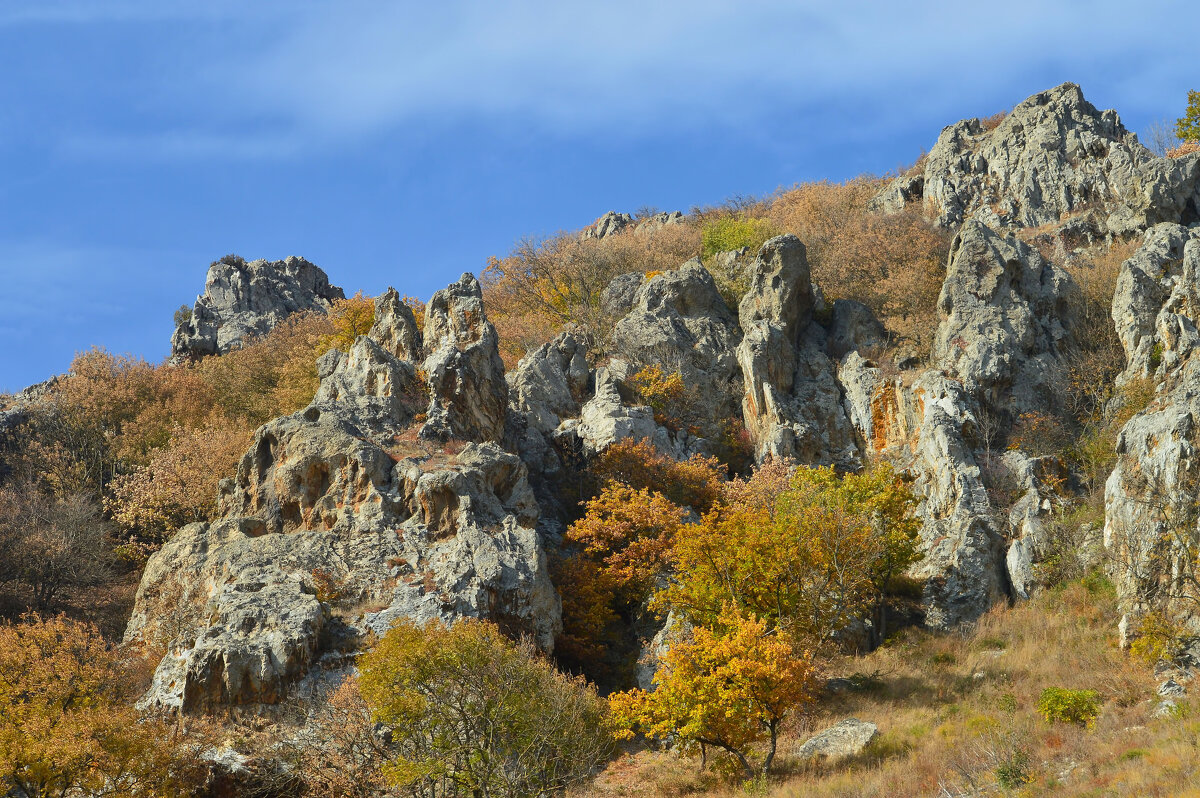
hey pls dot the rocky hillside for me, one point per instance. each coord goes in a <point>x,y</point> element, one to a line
<point>425,480</point>
<point>440,534</point>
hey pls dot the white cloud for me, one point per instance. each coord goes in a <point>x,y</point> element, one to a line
<point>327,74</point>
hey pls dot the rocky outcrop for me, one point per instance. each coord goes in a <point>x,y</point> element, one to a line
<point>792,403</point>
<point>680,323</point>
<point>468,392</point>
<point>341,519</point>
<point>395,327</point>
<point>1005,316</point>
<point>1053,155</point>
<point>1165,190</point>
<point>613,223</point>
<point>242,300</point>
<point>1151,521</point>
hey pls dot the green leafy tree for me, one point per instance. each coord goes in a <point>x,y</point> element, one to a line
<point>473,714</point>
<point>1187,127</point>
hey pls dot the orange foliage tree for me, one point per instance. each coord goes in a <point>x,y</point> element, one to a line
<point>809,559</point>
<point>65,726</point>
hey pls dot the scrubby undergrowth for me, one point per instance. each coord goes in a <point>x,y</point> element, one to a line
<point>959,715</point>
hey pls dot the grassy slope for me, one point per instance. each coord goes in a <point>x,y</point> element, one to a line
<point>956,712</point>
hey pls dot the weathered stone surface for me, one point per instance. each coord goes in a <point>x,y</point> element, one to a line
<point>613,223</point>
<point>1005,318</point>
<point>680,323</point>
<point>792,404</point>
<point>549,383</point>
<point>242,300</point>
<point>325,535</point>
<point>605,419</point>
<point>395,328</point>
<point>468,392</point>
<point>850,737</point>
<point>1054,155</point>
<point>1150,518</point>
<point>1164,190</point>
<point>1153,306</point>
<point>854,328</point>
<point>370,387</point>
<point>618,296</point>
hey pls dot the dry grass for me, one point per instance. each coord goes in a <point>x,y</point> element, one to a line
<point>958,712</point>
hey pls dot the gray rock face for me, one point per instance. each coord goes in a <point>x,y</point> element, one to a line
<point>929,427</point>
<point>1150,520</point>
<point>850,737</point>
<point>613,223</point>
<point>1005,315</point>
<point>395,328</point>
<point>618,296</point>
<point>1164,190</point>
<point>468,392</point>
<point>370,388</point>
<point>549,383</point>
<point>792,403</point>
<point>1055,154</point>
<point>680,323</point>
<point>325,533</point>
<point>243,300</point>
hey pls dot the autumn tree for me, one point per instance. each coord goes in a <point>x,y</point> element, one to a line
<point>349,319</point>
<point>729,687</point>
<point>65,727</point>
<point>808,559</point>
<point>50,546</point>
<point>178,485</point>
<point>631,532</point>
<point>696,483</point>
<point>472,713</point>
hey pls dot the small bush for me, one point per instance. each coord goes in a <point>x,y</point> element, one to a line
<point>183,315</point>
<point>1062,705</point>
<point>1015,771</point>
<point>1158,638</point>
<point>734,232</point>
<point>473,714</point>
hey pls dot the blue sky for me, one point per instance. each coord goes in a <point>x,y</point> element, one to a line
<point>401,143</point>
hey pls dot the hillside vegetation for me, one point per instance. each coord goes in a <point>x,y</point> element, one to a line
<point>882,487</point>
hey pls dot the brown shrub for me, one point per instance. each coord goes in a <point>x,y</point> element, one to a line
<point>545,285</point>
<point>178,485</point>
<point>893,263</point>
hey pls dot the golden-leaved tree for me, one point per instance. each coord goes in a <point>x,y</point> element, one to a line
<point>729,687</point>
<point>810,558</point>
<point>65,727</point>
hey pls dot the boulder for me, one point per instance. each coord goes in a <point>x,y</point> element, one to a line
<point>549,383</point>
<point>850,737</point>
<point>242,300</point>
<point>468,392</point>
<point>1054,155</point>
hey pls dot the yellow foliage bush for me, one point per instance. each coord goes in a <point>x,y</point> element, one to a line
<point>728,689</point>
<point>471,713</point>
<point>66,727</point>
